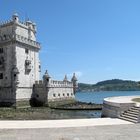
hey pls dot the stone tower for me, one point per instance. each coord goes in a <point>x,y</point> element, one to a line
<point>19,60</point>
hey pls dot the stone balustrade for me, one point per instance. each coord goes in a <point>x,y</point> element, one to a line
<point>27,41</point>
<point>54,83</point>
<point>19,38</point>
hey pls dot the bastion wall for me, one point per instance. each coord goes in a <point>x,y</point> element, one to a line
<point>114,109</point>
<point>53,91</point>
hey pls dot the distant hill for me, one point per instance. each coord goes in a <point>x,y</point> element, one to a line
<point>111,85</point>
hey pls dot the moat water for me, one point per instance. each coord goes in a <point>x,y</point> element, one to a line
<point>94,97</point>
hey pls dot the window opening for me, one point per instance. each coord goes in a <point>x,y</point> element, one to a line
<point>1,75</point>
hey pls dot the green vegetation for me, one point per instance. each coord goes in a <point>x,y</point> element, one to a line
<point>136,100</point>
<point>34,113</point>
<point>111,85</point>
<point>25,113</point>
<point>67,111</point>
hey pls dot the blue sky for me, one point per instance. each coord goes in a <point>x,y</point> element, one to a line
<point>97,39</point>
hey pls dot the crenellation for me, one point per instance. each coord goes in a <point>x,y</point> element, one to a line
<point>5,23</point>
<point>61,83</point>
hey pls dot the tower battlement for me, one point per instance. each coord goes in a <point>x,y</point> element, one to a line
<point>16,30</point>
<point>5,23</point>
<point>55,84</point>
<point>15,20</point>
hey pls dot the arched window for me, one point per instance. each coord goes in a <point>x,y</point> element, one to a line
<point>1,50</point>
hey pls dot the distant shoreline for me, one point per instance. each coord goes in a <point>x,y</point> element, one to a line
<point>110,85</point>
<point>108,91</point>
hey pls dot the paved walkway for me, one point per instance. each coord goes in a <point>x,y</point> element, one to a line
<point>61,123</point>
<point>74,129</point>
<point>107,132</point>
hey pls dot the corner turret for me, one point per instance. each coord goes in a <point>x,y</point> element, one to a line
<point>15,17</point>
<point>46,78</point>
<point>65,79</point>
<point>74,81</point>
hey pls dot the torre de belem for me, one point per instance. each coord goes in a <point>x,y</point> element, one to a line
<point>20,68</point>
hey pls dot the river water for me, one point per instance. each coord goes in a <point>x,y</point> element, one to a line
<point>97,97</point>
<point>94,97</point>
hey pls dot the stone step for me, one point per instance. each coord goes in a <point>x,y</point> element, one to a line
<point>130,117</point>
<point>131,114</point>
<point>127,119</point>
<point>133,110</point>
<point>135,107</point>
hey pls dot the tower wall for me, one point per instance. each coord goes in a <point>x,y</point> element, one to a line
<point>19,52</point>
<point>6,92</point>
<point>59,90</point>
<point>25,30</point>
<point>6,65</point>
<point>28,74</point>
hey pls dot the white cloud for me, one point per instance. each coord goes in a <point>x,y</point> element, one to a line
<point>77,73</point>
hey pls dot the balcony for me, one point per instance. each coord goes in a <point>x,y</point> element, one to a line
<point>28,66</point>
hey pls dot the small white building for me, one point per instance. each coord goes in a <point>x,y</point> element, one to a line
<point>20,64</point>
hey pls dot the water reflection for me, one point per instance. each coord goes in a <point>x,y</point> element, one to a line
<point>74,114</point>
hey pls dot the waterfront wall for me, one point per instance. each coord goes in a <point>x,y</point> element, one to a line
<point>114,109</point>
